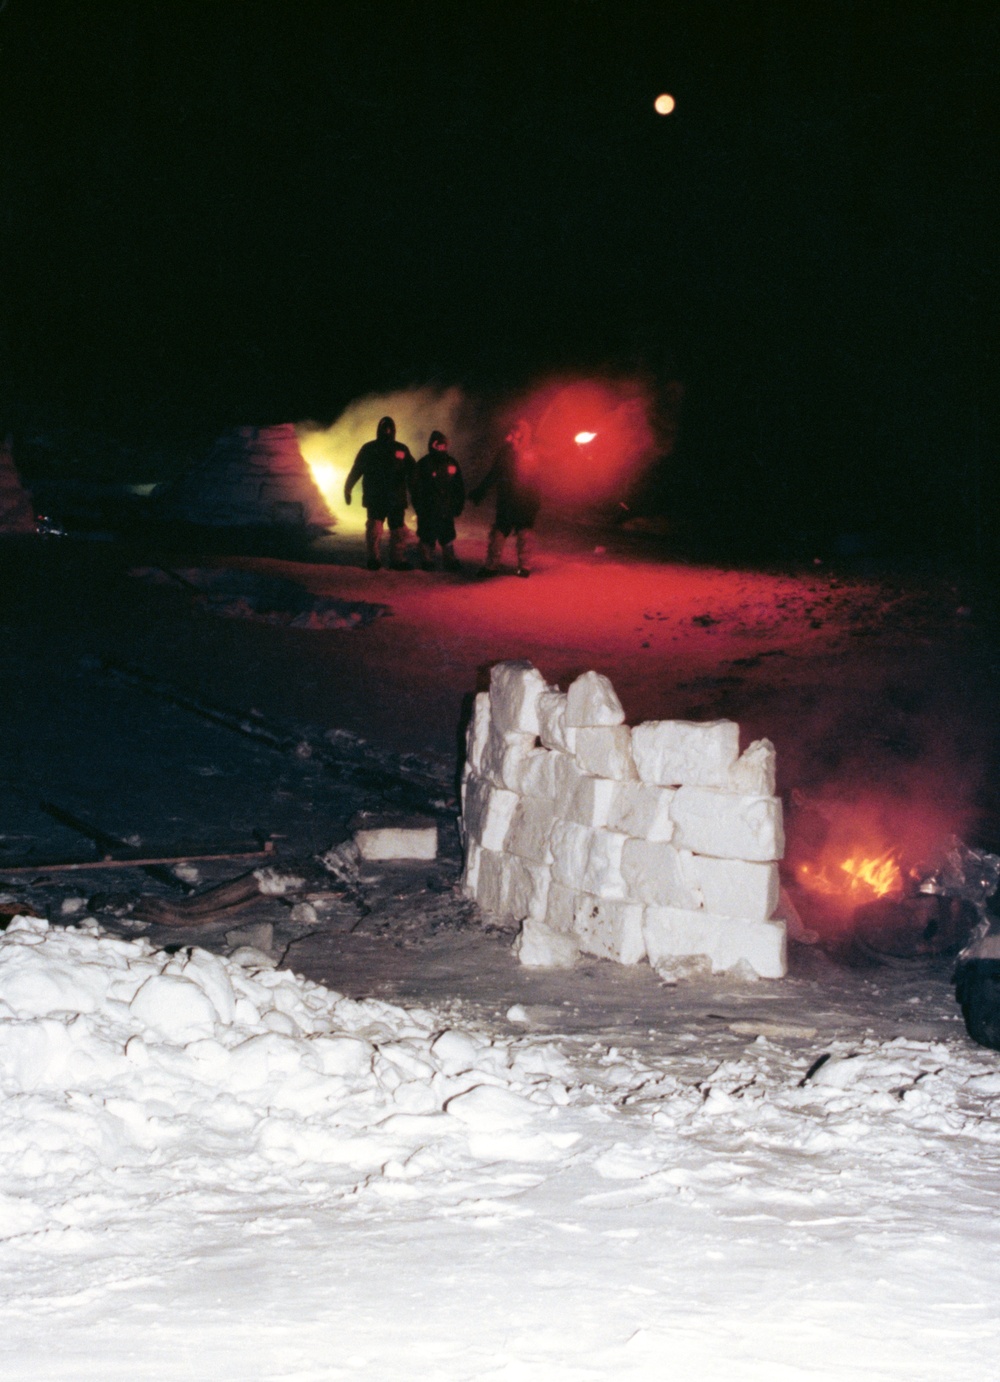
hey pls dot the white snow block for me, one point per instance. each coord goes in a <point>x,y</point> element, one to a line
<point>753,773</point>
<point>539,947</point>
<point>525,888</point>
<point>673,753</point>
<point>560,907</point>
<point>652,873</point>
<point>728,826</point>
<point>514,691</point>
<point>567,778</point>
<point>672,933</point>
<point>589,860</point>
<point>478,731</point>
<point>611,929</point>
<point>530,828</point>
<point>470,868</point>
<point>552,728</point>
<point>642,810</point>
<point>489,811</point>
<point>590,801</point>
<point>503,757</point>
<point>537,776</point>
<point>491,882</point>
<point>395,837</point>
<point>592,700</point>
<point>732,887</point>
<point>606,751</point>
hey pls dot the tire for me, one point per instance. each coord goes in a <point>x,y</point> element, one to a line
<point>977,988</point>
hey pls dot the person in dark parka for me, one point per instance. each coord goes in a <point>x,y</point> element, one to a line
<point>383,467</point>
<point>515,473</point>
<point>437,492</point>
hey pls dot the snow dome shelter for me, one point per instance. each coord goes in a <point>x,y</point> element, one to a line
<point>251,477</point>
<point>16,512</point>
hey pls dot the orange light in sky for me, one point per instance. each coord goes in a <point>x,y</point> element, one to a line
<point>582,438</point>
<point>664,103</point>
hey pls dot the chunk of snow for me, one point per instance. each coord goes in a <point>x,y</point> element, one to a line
<point>514,691</point>
<point>478,731</point>
<point>609,928</point>
<point>606,751</point>
<point>591,801</point>
<point>538,774</point>
<point>530,828</point>
<point>672,932</point>
<point>728,826</point>
<point>652,873</point>
<point>540,947</point>
<point>503,757</point>
<point>589,860</point>
<point>175,1007</point>
<point>753,773</point>
<point>642,810</point>
<point>592,700</point>
<point>732,887</point>
<point>673,753</point>
<point>488,812</point>
<point>383,836</point>
<point>552,728</point>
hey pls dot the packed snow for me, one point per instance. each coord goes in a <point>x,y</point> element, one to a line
<point>217,1169</point>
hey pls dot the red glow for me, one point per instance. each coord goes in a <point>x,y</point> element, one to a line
<point>593,437</point>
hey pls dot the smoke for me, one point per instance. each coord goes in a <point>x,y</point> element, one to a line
<point>621,412</point>
<point>618,413</point>
<point>329,452</point>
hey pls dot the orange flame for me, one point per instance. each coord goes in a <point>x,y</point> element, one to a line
<point>856,878</point>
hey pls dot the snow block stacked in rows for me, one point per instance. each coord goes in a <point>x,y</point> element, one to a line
<point>658,842</point>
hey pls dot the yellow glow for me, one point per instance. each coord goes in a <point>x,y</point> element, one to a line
<point>329,462</point>
<point>329,452</point>
<point>582,438</point>
<point>664,103</point>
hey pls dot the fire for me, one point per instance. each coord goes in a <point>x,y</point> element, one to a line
<point>582,438</point>
<point>855,879</point>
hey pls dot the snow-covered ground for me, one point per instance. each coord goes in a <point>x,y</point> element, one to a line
<point>216,1169</point>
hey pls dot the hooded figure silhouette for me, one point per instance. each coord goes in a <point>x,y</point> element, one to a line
<point>437,492</point>
<point>383,467</point>
<point>515,474</point>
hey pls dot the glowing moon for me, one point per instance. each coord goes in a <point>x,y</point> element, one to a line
<point>664,104</point>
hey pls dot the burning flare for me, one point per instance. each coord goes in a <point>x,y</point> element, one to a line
<point>582,438</point>
<point>856,879</point>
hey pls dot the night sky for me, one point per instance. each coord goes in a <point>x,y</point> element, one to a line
<point>227,213</point>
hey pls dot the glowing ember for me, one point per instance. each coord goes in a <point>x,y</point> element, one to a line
<point>855,879</point>
<point>582,438</point>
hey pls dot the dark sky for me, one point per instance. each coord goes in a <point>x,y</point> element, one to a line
<point>215,213</point>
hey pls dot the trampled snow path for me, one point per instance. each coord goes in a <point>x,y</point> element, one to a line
<point>219,1170</point>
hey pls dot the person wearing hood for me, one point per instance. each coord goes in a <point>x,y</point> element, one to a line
<point>383,466</point>
<point>437,492</point>
<point>515,473</point>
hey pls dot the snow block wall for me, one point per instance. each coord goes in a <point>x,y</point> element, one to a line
<point>655,843</point>
<point>251,476</point>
